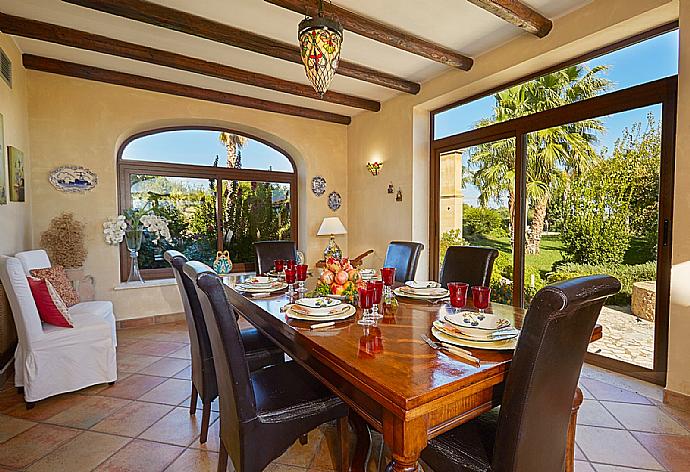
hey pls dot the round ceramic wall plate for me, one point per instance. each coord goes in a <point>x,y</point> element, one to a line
<point>318,185</point>
<point>334,201</point>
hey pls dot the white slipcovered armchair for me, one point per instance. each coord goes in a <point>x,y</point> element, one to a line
<point>51,360</point>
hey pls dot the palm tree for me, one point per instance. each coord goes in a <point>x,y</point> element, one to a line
<point>233,143</point>
<point>555,154</point>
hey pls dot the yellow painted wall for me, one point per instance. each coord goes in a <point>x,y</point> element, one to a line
<point>678,356</point>
<point>78,122</point>
<point>15,217</point>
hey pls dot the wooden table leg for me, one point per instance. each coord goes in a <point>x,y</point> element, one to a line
<point>406,440</point>
<point>363,444</point>
<point>570,445</point>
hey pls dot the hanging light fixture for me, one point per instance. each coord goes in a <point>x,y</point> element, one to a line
<point>320,40</point>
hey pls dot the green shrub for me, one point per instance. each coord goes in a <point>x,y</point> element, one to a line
<point>627,274</point>
<point>484,221</point>
<point>502,276</point>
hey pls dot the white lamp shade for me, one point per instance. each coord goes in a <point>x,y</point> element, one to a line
<point>331,225</point>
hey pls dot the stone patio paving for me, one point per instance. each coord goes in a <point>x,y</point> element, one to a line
<point>626,337</point>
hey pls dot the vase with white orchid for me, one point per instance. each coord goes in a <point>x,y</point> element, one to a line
<point>130,226</point>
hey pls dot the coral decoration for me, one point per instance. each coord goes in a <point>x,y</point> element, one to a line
<point>64,241</point>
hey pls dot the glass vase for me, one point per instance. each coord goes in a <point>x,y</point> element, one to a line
<point>133,238</point>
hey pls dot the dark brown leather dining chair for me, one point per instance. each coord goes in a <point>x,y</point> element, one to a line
<point>528,432</point>
<point>404,256</point>
<point>261,413</point>
<point>260,351</point>
<point>268,251</point>
<point>469,264</point>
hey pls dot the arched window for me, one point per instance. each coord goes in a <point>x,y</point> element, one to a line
<point>218,189</point>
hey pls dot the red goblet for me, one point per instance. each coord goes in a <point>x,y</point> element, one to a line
<point>290,279</point>
<point>301,272</point>
<point>279,263</point>
<point>458,294</point>
<point>365,303</point>
<point>480,298</point>
<point>376,286</point>
<point>291,264</point>
<point>388,277</point>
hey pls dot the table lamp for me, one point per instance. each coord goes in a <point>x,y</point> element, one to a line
<point>330,227</point>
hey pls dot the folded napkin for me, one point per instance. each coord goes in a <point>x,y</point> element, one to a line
<point>322,311</point>
<point>424,292</point>
<point>422,284</point>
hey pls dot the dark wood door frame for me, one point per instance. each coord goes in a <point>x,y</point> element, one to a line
<point>659,92</point>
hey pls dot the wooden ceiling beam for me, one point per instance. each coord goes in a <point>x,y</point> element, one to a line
<point>380,32</point>
<point>518,14</point>
<point>176,20</point>
<point>71,69</point>
<point>26,28</point>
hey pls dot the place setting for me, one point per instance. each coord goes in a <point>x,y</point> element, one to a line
<point>322,309</point>
<point>261,285</point>
<point>422,290</point>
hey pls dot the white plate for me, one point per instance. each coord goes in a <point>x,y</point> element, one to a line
<point>507,345</point>
<point>440,294</point>
<point>318,302</point>
<point>341,316</point>
<point>259,282</point>
<point>249,289</point>
<point>423,284</point>
<point>503,335</point>
<point>484,327</point>
<point>367,274</point>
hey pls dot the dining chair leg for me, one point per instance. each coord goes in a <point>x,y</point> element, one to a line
<point>360,457</point>
<point>222,457</point>
<point>192,401</point>
<point>344,439</point>
<point>205,419</point>
<point>570,445</point>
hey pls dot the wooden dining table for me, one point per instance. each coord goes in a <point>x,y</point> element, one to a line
<point>388,375</point>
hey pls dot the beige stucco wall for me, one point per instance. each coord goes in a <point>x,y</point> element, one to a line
<point>78,122</point>
<point>15,217</point>
<point>679,356</point>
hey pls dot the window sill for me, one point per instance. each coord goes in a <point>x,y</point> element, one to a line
<point>147,284</point>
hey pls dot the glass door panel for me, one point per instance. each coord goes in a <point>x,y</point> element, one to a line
<point>477,199</point>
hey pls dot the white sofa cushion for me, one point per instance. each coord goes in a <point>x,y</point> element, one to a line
<point>36,259</point>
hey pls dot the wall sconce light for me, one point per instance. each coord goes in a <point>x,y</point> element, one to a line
<point>374,167</point>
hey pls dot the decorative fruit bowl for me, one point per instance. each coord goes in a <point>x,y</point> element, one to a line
<point>339,278</point>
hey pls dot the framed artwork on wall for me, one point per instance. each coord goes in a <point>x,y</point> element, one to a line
<point>3,179</point>
<point>15,168</point>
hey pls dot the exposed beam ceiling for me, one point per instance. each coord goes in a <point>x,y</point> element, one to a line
<point>518,14</point>
<point>158,15</point>
<point>72,69</point>
<point>79,39</point>
<point>381,32</point>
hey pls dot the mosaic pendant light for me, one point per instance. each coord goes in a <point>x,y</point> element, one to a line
<point>320,40</point>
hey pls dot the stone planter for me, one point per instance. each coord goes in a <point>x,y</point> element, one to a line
<point>644,300</point>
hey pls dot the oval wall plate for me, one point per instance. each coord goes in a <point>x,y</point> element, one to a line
<point>318,185</point>
<point>334,201</point>
<point>73,179</point>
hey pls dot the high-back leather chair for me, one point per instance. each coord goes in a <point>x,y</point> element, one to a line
<point>404,256</point>
<point>260,351</point>
<point>268,251</point>
<point>469,264</point>
<point>530,430</point>
<point>264,412</point>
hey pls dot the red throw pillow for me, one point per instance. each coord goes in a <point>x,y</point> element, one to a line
<point>51,308</point>
<point>57,276</point>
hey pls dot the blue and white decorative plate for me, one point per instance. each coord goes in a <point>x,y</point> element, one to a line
<point>73,179</point>
<point>318,185</point>
<point>334,201</point>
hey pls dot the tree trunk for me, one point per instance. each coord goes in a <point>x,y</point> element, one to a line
<point>511,213</point>
<point>537,227</point>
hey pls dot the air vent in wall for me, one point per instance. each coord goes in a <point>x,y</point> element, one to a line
<point>6,68</point>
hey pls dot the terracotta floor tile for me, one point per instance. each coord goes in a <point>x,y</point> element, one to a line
<point>153,348</point>
<point>127,362</point>
<point>681,416</point>
<point>672,451</point>
<point>603,391</point>
<point>185,374</point>
<point>213,439</point>
<point>33,444</point>
<point>184,353</point>
<point>583,466</point>
<point>141,456</point>
<point>10,427</point>
<point>133,419</point>
<point>647,418</point>
<point>277,467</point>
<point>133,386</point>
<point>170,392</point>
<point>9,399</point>
<point>166,367</point>
<point>177,427</point>
<point>593,413</point>
<point>88,412</point>
<point>299,455</point>
<point>81,454</point>
<point>615,447</point>
<point>327,455</point>
<point>195,460</point>
<point>47,408</point>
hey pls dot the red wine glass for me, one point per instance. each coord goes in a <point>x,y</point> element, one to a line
<point>458,294</point>
<point>279,264</point>
<point>480,298</point>
<point>365,303</point>
<point>388,277</point>
<point>376,287</point>
<point>301,273</point>
<point>291,264</point>
<point>290,279</point>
